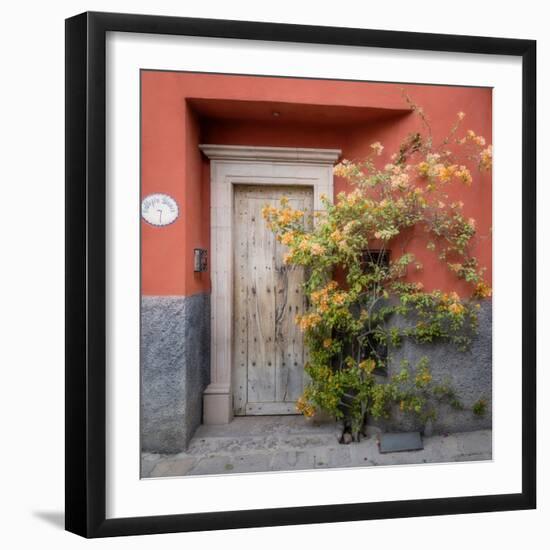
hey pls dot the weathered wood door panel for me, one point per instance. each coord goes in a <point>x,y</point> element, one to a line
<point>268,348</point>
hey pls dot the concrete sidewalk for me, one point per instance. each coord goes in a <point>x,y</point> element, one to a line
<point>270,443</point>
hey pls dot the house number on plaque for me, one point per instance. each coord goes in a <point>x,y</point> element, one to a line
<point>159,209</point>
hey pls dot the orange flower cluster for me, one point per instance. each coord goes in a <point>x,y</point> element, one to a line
<point>317,250</point>
<point>287,238</point>
<point>304,407</point>
<point>281,216</point>
<point>464,175</point>
<point>431,168</point>
<point>321,298</point>
<point>400,181</point>
<point>423,377</point>
<point>346,169</point>
<point>474,138</point>
<point>367,365</point>
<point>288,257</point>
<point>377,147</point>
<point>445,173</point>
<point>485,155</point>
<point>305,245</point>
<point>456,308</point>
<point>327,342</point>
<point>482,290</point>
<point>337,236</point>
<point>452,303</point>
<point>300,243</point>
<point>486,158</point>
<point>351,199</point>
<point>397,173</point>
<point>288,215</point>
<point>305,322</point>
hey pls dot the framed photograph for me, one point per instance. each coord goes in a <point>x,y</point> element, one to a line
<point>300,274</point>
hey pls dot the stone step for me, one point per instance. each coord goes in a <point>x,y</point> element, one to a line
<point>244,426</point>
<point>260,443</point>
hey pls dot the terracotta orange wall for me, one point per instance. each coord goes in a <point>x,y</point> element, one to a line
<point>172,163</point>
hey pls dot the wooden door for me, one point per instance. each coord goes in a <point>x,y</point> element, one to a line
<point>268,347</point>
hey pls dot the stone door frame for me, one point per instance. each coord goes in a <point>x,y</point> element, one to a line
<point>232,165</point>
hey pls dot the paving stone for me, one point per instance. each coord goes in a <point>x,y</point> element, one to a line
<point>173,467</point>
<point>475,442</point>
<point>232,465</point>
<point>307,441</point>
<point>335,457</point>
<point>401,458</point>
<point>232,445</point>
<point>441,448</point>
<point>363,451</point>
<point>148,462</point>
<point>292,460</point>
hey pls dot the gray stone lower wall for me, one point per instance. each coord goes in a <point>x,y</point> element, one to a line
<point>468,373</point>
<point>175,369</point>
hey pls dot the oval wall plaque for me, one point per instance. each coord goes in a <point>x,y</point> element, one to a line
<point>159,209</point>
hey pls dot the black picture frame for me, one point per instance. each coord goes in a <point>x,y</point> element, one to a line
<point>86,273</point>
